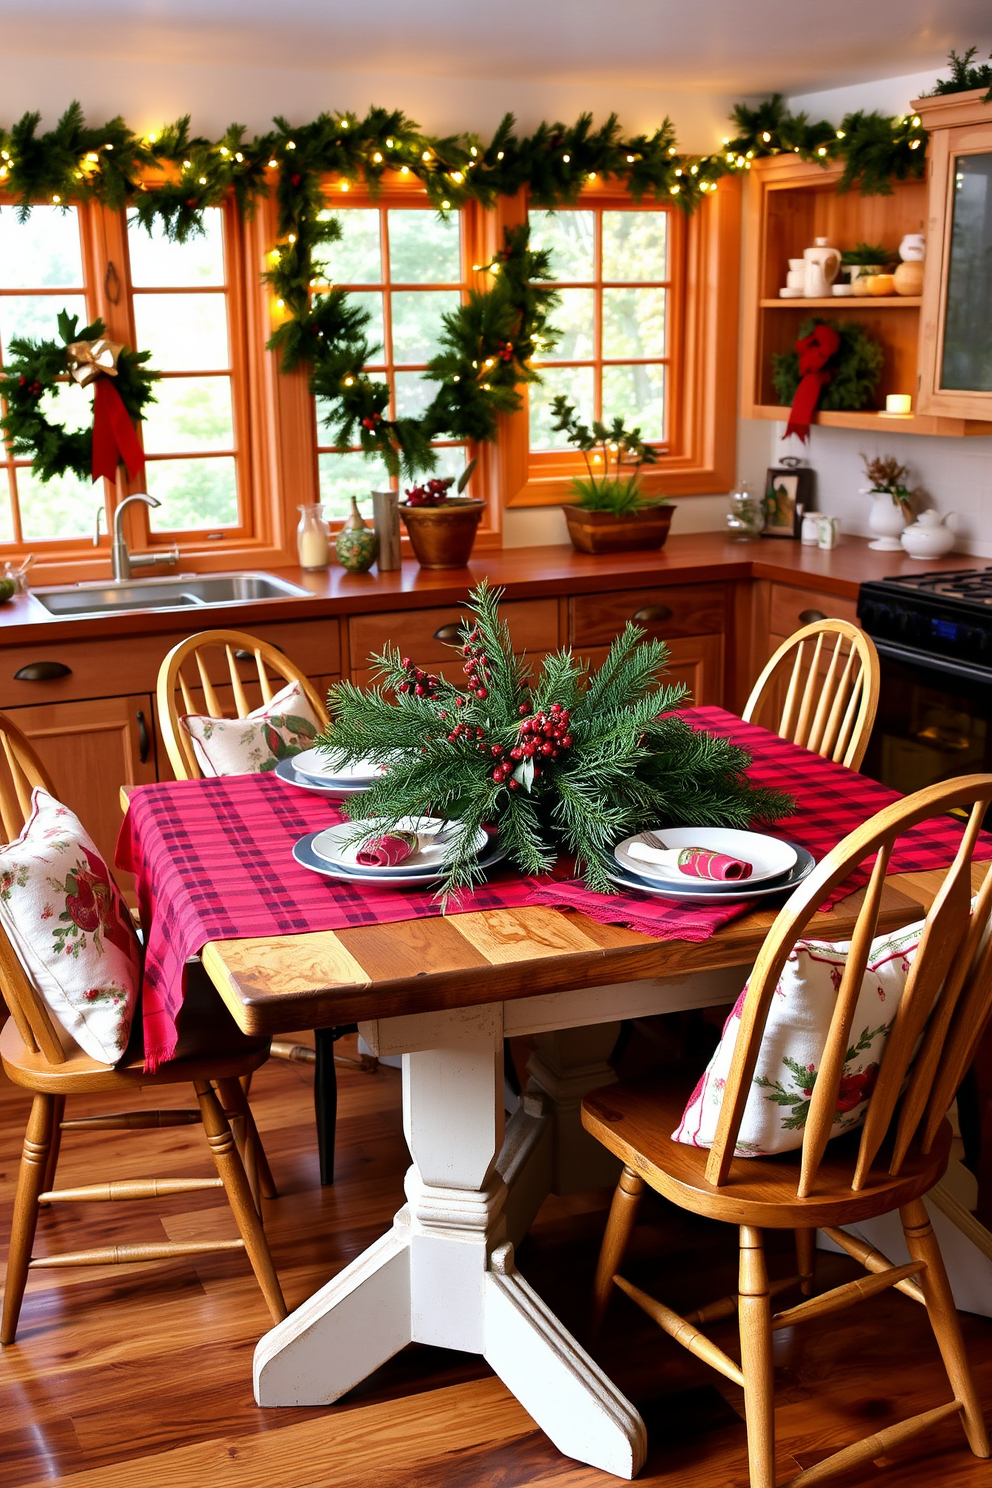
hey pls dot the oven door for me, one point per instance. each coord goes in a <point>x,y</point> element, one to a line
<point>934,720</point>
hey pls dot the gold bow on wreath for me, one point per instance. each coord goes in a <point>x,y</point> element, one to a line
<point>87,359</point>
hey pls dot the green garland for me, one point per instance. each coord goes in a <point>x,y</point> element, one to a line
<point>34,368</point>
<point>856,367</point>
<point>965,75</point>
<point>568,760</point>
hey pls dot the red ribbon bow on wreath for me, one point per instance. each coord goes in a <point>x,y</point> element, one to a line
<point>815,351</point>
<point>114,439</point>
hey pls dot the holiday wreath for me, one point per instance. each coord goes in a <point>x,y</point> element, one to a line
<point>569,760</point>
<point>36,370</point>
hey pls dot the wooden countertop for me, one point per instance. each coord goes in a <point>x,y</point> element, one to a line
<point>523,572</point>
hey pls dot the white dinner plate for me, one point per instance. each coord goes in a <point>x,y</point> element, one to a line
<point>332,847</point>
<point>304,854</point>
<point>719,893</point>
<point>335,789</point>
<point>326,765</point>
<point>769,857</point>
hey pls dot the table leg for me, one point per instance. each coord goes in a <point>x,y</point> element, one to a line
<point>325,1100</point>
<point>445,1274</point>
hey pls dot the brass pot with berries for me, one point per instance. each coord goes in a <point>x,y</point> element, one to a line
<point>442,528</point>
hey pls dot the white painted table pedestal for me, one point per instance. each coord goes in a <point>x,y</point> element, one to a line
<point>444,1274</point>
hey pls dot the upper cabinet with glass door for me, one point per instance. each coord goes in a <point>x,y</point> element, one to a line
<point>956,315</point>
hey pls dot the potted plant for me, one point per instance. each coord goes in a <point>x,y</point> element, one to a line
<point>891,501</point>
<point>442,528</point>
<point>611,515</point>
<point>864,260</point>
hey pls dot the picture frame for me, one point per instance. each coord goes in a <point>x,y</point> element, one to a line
<point>788,494</point>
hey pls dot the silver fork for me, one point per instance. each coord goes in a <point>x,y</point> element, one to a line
<point>653,840</point>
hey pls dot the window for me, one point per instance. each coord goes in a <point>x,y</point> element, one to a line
<point>179,299</point>
<point>42,271</point>
<point>611,271</point>
<point>407,268</point>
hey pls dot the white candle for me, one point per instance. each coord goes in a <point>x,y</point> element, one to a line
<point>900,403</point>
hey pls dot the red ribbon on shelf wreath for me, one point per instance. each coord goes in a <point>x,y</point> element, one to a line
<point>815,351</point>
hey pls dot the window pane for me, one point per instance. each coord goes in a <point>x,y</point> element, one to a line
<point>37,315</point>
<point>423,249</point>
<point>637,395</point>
<point>70,405</point>
<point>190,413</point>
<point>356,258</point>
<point>346,475</point>
<point>155,261</point>
<point>183,332</point>
<point>573,383</point>
<point>63,508</point>
<point>194,494</point>
<point>574,318</point>
<point>635,245</point>
<point>633,322</point>
<point>413,394</point>
<point>451,460</point>
<point>569,236</point>
<point>417,321</point>
<point>42,252</point>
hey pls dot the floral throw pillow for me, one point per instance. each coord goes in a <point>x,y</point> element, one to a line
<point>793,1042</point>
<point>70,928</point>
<point>249,746</point>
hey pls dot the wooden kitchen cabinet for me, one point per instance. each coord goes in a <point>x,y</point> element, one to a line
<point>426,636</point>
<point>91,749</point>
<point>696,661</point>
<point>690,619</point>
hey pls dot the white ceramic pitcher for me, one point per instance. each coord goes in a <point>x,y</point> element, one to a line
<point>822,262</point>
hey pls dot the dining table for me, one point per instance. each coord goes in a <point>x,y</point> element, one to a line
<point>547,959</point>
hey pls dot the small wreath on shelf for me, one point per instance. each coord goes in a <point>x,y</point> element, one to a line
<point>855,368</point>
<point>123,389</point>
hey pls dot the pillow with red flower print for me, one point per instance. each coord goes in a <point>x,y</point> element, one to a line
<point>70,928</point>
<point>793,1042</point>
<point>248,746</point>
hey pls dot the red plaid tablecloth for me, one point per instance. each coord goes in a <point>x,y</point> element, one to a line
<point>213,860</point>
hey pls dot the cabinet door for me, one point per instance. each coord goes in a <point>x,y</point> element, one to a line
<point>695,661</point>
<point>686,610</point>
<point>91,749</point>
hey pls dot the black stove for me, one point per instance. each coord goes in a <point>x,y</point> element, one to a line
<point>945,615</point>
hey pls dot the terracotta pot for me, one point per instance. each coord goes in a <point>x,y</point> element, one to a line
<point>603,532</point>
<point>442,536</point>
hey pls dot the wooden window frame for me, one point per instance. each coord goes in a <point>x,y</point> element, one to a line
<point>699,455</point>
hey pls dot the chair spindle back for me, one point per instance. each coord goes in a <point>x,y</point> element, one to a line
<point>211,661</point>
<point>831,694</point>
<point>946,999</point>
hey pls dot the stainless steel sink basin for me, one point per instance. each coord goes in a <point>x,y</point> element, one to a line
<point>195,591</point>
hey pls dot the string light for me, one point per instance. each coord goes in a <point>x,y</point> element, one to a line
<point>152,138</point>
<point>108,147</point>
<point>344,123</point>
<point>630,159</point>
<point>499,154</point>
<point>203,180</point>
<point>426,155</point>
<point>474,151</point>
<point>694,170</point>
<point>672,150</point>
<point>566,158</point>
<point>187,165</point>
<point>766,137</point>
<point>291,237</point>
<point>344,186</point>
<point>916,121</point>
<point>822,150</point>
<point>914,144</point>
<point>224,150</point>
<point>456,378</point>
<point>674,190</point>
<point>377,158</point>
<point>56,198</point>
<point>678,171</point>
<point>445,206</point>
<point>841,134</point>
<point>290,144</point>
<point>273,164</point>
<point>592,175</point>
<point>457,177</point>
<point>239,157</point>
<point>349,382</point>
<point>404,170</point>
<point>389,144</point>
<point>94,159</point>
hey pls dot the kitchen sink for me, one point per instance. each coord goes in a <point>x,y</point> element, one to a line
<point>192,592</point>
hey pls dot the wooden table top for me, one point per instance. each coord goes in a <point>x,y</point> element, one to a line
<point>352,975</point>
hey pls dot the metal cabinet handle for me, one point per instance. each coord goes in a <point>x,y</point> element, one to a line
<point>42,671</point>
<point>450,632</point>
<point>810,617</point>
<point>651,614</point>
<point>144,740</point>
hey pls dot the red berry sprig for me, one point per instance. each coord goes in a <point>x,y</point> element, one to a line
<point>432,493</point>
<point>476,667</point>
<point>418,683</point>
<point>544,734</point>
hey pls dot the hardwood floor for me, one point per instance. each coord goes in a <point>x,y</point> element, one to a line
<point>141,1375</point>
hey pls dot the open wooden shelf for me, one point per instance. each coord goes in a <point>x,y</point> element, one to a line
<point>872,419</point>
<point>843,302</point>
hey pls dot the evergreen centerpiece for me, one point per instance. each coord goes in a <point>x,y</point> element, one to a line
<point>612,514</point>
<point>569,760</point>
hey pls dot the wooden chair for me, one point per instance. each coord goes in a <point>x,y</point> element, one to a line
<point>188,680</point>
<point>831,695</point>
<point>900,1153</point>
<point>209,655</point>
<point>20,771</point>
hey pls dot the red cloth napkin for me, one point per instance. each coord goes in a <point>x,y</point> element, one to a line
<point>213,861</point>
<point>386,852</point>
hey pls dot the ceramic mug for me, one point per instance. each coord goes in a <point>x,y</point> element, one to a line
<point>809,533</point>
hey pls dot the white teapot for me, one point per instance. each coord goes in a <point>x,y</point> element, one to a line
<point>929,536</point>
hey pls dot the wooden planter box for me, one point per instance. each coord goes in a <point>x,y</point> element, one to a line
<point>603,532</point>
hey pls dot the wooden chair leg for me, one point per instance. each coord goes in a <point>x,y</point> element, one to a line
<point>806,1260</point>
<point>922,1244</point>
<point>755,1313</point>
<point>30,1183</point>
<point>619,1226</point>
<point>58,1111</point>
<point>325,1101</point>
<point>229,1166</point>
<point>252,1152</point>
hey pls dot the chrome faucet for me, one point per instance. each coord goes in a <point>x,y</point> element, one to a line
<point>121,560</point>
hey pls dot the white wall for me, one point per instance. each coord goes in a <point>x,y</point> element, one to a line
<point>955,473</point>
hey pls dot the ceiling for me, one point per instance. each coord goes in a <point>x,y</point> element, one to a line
<point>712,46</point>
